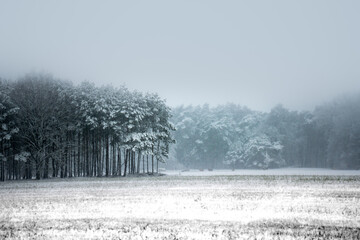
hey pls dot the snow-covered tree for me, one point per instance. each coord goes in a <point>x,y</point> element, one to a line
<point>258,145</point>
<point>8,127</point>
<point>258,152</point>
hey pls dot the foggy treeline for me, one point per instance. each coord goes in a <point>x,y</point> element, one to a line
<point>237,137</point>
<point>51,128</point>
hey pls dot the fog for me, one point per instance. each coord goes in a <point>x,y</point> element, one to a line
<point>253,53</point>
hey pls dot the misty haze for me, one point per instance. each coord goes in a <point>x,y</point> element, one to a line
<point>179,119</point>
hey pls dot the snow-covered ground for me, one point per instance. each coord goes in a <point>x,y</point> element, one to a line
<point>257,172</point>
<point>183,207</point>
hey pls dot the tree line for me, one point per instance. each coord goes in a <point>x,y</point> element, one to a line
<point>233,136</point>
<point>51,128</point>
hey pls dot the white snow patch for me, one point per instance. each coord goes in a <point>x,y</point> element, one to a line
<point>267,172</point>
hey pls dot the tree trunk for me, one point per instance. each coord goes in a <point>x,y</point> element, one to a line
<point>14,167</point>
<point>37,169</point>
<point>152,160</point>
<point>87,153</point>
<point>143,158</point>
<point>157,160</point>
<point>94,156</point>
<point>79,165</point>
<point>138,162</point>
<point>46,168</point>
<point>147,163</point>
<point>71,158</point>
<point>133,162</point>
<point>157,165</point>
<point>119,162</point>
<point>125,161</point>
<point>107,161</point>
<point>99,151</point>
<point>2,177</point>
<point>74,161</point>
<point>54,173</point>
<point>2,164</point>
<point>28,170</point>
<point>114,168</point>
<point>66,156</point>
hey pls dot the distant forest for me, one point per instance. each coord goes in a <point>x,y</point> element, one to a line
<point>232,136</point>
<point>52,128</point>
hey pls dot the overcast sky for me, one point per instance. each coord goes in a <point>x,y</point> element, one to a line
<point>253,53</point>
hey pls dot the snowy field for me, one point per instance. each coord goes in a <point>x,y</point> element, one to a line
<point>267,172</point>
<point>223,206</point>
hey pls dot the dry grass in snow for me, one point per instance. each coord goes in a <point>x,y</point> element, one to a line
<point>182,207</point>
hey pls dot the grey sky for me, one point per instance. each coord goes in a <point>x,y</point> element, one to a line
<point>254,53</point>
